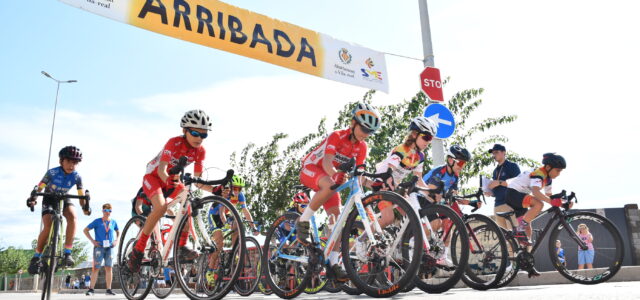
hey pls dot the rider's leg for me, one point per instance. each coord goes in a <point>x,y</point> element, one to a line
<point>386,213</point>
<point>69,213</point>
<point>535,207</point>
<point>44,234</point>
<point>159,208</point>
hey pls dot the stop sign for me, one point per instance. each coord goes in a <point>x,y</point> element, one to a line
<point>431,83</point>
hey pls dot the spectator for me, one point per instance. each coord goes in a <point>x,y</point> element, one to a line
<point>76,283</point>
<point>585,257</point>
<point>504,170</point>
<point>106,234</point>
<point>560,253</point>
<point>67,281</point>
<point>87,280</point>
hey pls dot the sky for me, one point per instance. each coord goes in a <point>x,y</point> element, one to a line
<point>567,69</point>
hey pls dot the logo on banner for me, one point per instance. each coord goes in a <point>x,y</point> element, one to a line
<point>345,56</point>
<point>370,74</point>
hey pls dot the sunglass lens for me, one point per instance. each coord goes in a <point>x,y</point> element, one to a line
<point>427,137</point>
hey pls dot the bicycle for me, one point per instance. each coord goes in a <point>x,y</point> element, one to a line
<point>189,273</point>
<point>289,266</point>
<point>248,280</point>
<point>52,251</point>
<point>608,244</point>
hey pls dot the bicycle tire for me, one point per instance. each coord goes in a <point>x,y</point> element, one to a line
<point>248,289</point>
<point>332,286</point>
<point>615,260</point>
<point>126,277</point>
<point>162,293</point>
<point>408,263</point>
<point>489,230</point>
<point>427,278</point>
<point>200,291</point>
<point>512,273</point>
<point>350,289</point>
<point>52,264</point>
<point>272,265</point>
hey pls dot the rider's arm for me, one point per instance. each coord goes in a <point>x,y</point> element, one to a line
<point>327,164</point>
<point>138,206</point>
<point>537,193</point>
<point>205,187</point>
<point>162,171</point>
<point>81,193</point>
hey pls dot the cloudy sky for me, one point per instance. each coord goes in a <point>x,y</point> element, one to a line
<point>568,69</point>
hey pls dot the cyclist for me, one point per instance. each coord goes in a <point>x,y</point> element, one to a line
<point>58,180</point>
<point>319,172</point>
<point>299,202</point>
<point>527,192</point>
<point>218,218</point>
<point>195,124</point>
<point>405,159</point>
<point>449,175</point>
<point>140,204</point>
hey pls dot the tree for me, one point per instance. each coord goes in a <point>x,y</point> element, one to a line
<point>13,259</point>
<point>78,252</point>
<point>272,173</point>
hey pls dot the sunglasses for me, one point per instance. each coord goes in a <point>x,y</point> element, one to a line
<point>460,163</point>
<point>198,134</point>
<point>426,137</point>
<point>303,205</point>
<point>106,210</point>
<point>365,129</point>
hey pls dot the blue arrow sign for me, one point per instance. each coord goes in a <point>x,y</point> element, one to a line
<point>443,118</point>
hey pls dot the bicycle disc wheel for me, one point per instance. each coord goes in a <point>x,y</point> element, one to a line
<point>50,266</point>
<point>250,276</point>
<point>388,270</point>
<point>606,255</point>
<point>488,257</point>
<point>438,273</point>
<point>134,285</point>
<point>286,277</point>
<point>228,260</point>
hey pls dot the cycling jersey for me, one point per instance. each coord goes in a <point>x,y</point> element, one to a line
<point>339,144</point>
<point>440,173</point>
<point>404,159</point>
<point>171,153</point>
<point>528,179</point>
<point>238,200</point>
<point>56,181</point>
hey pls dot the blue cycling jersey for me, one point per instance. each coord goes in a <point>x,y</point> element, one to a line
<point>238,200</point>
<point>440,173</point>
<point>57,181</point>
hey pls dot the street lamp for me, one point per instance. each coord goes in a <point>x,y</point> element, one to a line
<point>54,111</point>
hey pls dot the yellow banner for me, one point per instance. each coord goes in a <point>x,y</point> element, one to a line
<point>229,28</point>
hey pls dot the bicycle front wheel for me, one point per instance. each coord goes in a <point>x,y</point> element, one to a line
<point>213,251</point>
<point>162,287</point>
<point>250,276</point>
<point>598,263</point>
<point>50,265</point>
<point>379,268</point>
<point>488,253</point>
<point>135,285</point>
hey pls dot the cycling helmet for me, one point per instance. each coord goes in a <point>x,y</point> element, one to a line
<point>554,160</point>
<point>367,116</point>
<point>301,198</point>
<point>458,152</point>
<point>237,181</point>
<point>195,119</point>
<point>423,125</point>
<point>70,152</point>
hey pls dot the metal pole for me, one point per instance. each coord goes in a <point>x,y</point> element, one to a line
<point>53,124</point>
<point>437,146</point>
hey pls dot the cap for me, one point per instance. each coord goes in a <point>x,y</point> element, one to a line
<point>497,147</point>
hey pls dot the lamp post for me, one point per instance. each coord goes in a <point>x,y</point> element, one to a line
<point>53,124</point>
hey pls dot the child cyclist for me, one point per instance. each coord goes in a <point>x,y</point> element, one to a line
<point>218,218</point>
<point>319,172</point>
<point>58,180</point>
<point>449,174</point>
<point>405,159</point>
<point>527,193</point>
<point>195,125</point>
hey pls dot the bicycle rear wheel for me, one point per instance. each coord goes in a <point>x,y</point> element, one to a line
<point>606,254</point>
<point>250,276</point>
<point>134,285</point>
<point>488,257</point>
<point>388,270</point>
<point>163,292</point>
<point>512,269</point>
<point>229,261</point>
<point>286,277</point>
<point>438,274</point>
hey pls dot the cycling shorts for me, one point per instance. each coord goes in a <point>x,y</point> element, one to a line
<point>310,175</point>
<point>152,185</point>
<point>50,204</point>
<point>520,202</point>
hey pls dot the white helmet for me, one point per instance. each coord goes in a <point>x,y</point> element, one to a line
<point>367,116</point>
<point>195,119</point>
<point>423,125</point>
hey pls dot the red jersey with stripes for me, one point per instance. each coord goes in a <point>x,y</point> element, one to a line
<point>171,153</point>
<point>339,144</point>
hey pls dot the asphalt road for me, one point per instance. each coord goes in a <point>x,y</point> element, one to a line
<point>605,291</point>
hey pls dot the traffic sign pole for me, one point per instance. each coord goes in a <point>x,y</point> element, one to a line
<point>437,146</point>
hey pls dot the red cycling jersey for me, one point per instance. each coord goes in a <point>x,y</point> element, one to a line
<point>171,153</point>
<point>339,144</point>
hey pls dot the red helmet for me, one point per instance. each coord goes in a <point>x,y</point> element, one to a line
<point>301,198</point>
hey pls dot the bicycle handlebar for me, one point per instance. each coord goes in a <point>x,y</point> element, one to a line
<point>86,197</point>
<point>190,180</point>
<point>350,167</point>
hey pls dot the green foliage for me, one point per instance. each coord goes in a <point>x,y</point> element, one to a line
<point>271,173</point>
<point>13,259</point>
<point>79,251</point>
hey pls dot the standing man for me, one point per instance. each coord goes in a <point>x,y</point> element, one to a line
<point>106,234</point>
<point>503,171</point>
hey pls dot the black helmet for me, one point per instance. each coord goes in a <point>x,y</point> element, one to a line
<point>554,160</point>
<point>70,152</point>
<point>458,152</point>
